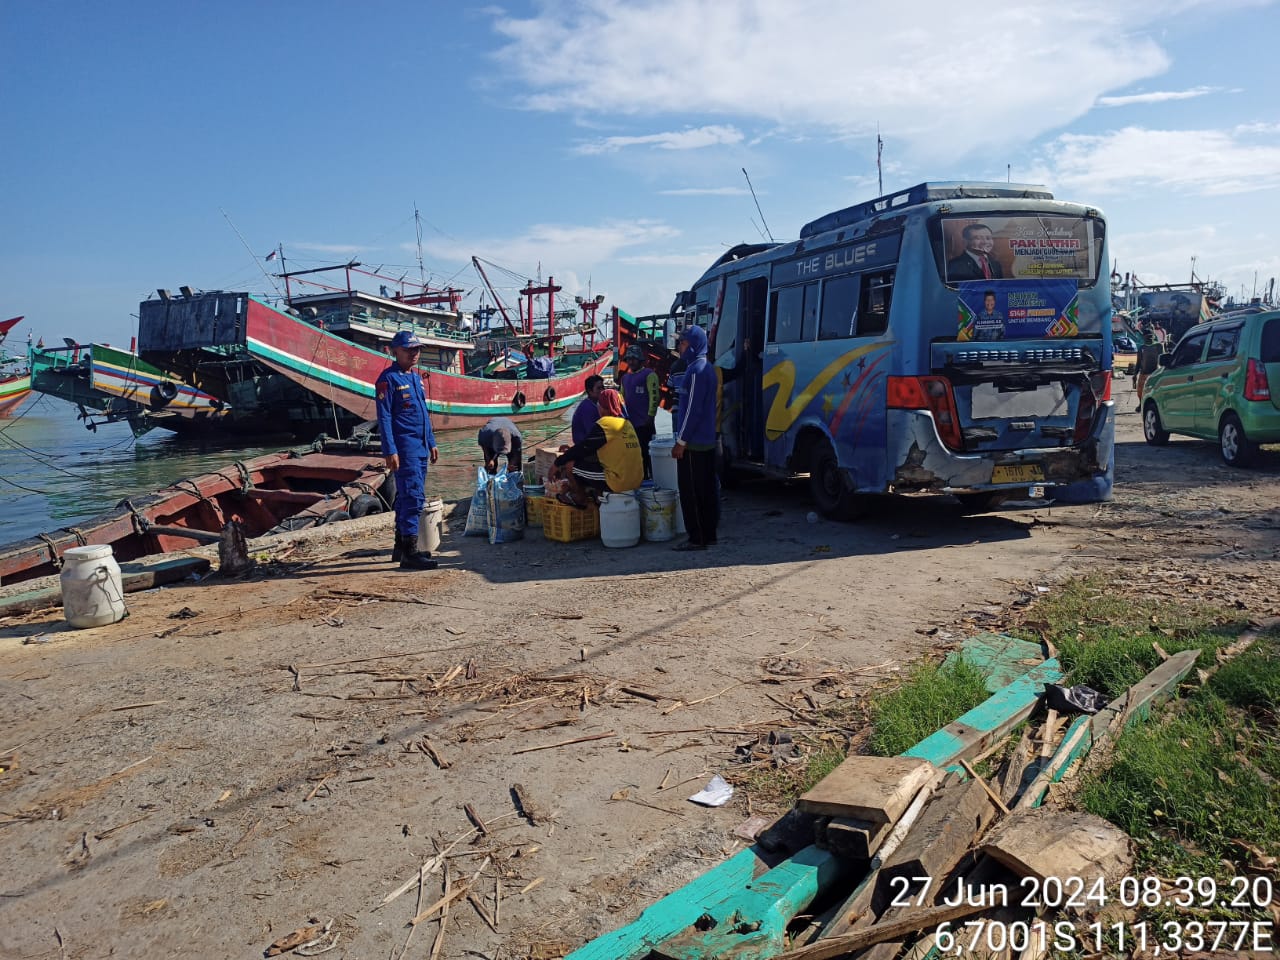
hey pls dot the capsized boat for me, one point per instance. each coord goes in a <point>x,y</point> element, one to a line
<point>15,378</point>
<point>120,385</point>
<point>280,491</point>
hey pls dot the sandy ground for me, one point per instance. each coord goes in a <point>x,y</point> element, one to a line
<point>203,783</point>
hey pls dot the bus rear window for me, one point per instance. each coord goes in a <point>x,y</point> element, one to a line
<point>996,247</point>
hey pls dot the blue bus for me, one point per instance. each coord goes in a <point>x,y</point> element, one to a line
<point>951,338</point>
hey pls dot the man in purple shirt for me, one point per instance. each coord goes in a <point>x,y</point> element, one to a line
<point>640,391</point>
<point>585,417</point>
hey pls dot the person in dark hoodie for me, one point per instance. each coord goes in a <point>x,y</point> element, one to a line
<point>695,446</point>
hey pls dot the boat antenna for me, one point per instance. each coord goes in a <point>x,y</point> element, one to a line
<point>758,210</point>
<point>417,225</point>
<point>256,259</point>
<point>879,166</point>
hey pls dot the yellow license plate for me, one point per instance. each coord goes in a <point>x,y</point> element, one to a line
<point>1018,473</point>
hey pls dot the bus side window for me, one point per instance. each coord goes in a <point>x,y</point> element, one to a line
<point>786,322</point>
<point>839,308</point>
<point>873,310</point>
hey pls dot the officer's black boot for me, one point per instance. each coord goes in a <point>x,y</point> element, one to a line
<point>411,558</point>
<point>397,552</point>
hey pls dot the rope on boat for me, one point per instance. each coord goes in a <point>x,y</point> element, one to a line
<point>81,539</point>
<point>53,549</point>
<point>246,479</point>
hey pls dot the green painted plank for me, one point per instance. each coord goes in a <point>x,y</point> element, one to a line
<point>989,720</point>
<point>1001,657</point>
<point>751,923</point>
<point>675,912</point>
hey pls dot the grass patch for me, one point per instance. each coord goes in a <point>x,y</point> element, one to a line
<point>1199,782</point>
<point>1105,639</point>
<point>780,787</point>
<point>931,697</point>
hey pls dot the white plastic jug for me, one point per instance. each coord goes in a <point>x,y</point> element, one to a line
<point>658,508</point>
<point>619,520</point>
<point>429,523</point>
<point>664,465</point>
<point>92,592</point>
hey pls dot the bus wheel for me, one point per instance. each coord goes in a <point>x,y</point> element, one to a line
<point>980,502</point>
<point>827,486</point>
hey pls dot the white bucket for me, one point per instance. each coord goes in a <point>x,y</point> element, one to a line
<point>664,472</point>
<point>92,593</point>
<point>619,520</point>
<point>659,510</point>
<point>429,523</point>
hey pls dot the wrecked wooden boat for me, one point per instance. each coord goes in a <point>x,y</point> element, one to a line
<point>277,492</point>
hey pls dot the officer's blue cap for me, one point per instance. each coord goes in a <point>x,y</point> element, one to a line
<point>405,338</point>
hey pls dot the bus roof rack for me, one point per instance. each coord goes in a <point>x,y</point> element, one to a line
<point>923,193</point>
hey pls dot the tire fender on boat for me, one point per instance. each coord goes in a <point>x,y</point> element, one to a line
<point>549,394</point>
<point>365,505</point>
<point>167,389</point>
<point>518,401</point>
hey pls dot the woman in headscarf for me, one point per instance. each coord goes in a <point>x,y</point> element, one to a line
<point>608,458</point>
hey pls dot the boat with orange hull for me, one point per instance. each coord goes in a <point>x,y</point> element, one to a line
<point>280,491</point>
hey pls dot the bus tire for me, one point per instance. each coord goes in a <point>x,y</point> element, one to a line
<point>827,486</point>
<point>981,502</point>
<point>549,394</point>
<point>517,401</point>
<point>365,505</point>
<point>1153,430</point>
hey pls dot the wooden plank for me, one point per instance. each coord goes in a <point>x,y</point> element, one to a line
<point>953,820</point>
<point>133,577</point>
<point>877,789</point>
<point>674,912</point>
<point>990,720</point>
<point>855,839</point>
<point>927,919</point>
<point>1001,657</point>
<point>1050,842</point>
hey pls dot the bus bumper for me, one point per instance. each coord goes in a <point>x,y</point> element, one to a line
<point>922,462</point>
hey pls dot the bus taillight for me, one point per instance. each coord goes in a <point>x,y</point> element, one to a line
<point>932,394</point>
<point>1098,392</point>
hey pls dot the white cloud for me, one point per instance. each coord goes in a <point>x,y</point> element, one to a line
<point>692,139</point>
<point>706,192</point>
<point>837,69</point>
<point>554,249</point>
<point>333,249</point>
<point>1205,162</point>
<point>1156,96</point>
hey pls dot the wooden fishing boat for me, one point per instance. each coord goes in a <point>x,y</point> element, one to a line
<point>120,385</point>
<point>289,490</point>
<point>15,379</point>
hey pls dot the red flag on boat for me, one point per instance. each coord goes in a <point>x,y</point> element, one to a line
<point>271,256</point>
<point>8,325</point>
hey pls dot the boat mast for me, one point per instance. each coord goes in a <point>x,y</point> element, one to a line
<point>417,225</point>
<point>502,308</point>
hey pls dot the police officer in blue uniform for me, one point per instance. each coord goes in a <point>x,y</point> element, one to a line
<point>404,426</point>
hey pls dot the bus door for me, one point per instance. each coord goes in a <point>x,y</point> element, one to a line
<point>753,298</point>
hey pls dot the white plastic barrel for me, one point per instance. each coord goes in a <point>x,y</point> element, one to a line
<point>429,522</point>
<point>92,593</point>
<point>664,465</point>
<point>659,510</point>
<point>619,520</point>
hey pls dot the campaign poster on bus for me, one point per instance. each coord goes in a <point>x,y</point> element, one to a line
<point>1023,311</point>
<point>1001,248</point>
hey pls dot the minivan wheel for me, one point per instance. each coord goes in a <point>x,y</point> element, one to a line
<point>1237,449</point>
<point>826,486</point>
<point>1152,429</point>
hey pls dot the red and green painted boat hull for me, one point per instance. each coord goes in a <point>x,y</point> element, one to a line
<point>13,390</point>
<point>344,373</point>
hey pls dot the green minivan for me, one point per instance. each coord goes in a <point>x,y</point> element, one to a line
<point>1216,386</point>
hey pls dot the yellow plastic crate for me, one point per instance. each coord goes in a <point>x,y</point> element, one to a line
<point>535,510</point>
<point>566,524</point>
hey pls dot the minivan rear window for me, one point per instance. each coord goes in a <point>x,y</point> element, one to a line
<point>1271,341</point>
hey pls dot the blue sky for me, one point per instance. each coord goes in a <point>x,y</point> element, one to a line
<point>600,142</point>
